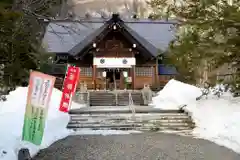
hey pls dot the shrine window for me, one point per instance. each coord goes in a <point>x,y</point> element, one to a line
<point>86,71</point>
<point>144,71</point>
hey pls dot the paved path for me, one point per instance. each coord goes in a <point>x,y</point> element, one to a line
<point>147,146</point>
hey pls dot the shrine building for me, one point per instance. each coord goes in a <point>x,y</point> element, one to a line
<point>111,52</point>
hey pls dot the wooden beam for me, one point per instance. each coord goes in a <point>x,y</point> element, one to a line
<point>94,76</point>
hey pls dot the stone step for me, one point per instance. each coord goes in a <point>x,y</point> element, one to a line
<point>102,99</point>
<point>87,125</point>
<point>143,129</point>
<point>128,127</point>
<point>95,120</point>
<point>154,116</point>
<point>122,118</point>
<point>119,99</point>
<point>102,125</point>
<point>157,122</point>
<point>91,110</point>
<point>103,104</point>
<point>101,95</point>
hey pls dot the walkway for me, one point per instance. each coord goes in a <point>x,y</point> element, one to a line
<point>147,146</point>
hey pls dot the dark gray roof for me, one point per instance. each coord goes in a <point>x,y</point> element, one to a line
<point>63,36</point>
<point>86,41</point>
<point>150,47</point>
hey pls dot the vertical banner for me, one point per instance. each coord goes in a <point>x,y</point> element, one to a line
<point>39,94</point>
<point>69,87</point>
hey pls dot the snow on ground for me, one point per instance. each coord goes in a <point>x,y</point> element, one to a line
<point>11,122</point>
<point>217,119</point>
<point>175,94</point>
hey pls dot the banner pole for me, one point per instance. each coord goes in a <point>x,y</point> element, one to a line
<point>65,76</point>
<point>75,87</point>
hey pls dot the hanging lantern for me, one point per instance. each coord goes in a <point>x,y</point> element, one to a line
<point>104,73</point>
<point>125,74</point>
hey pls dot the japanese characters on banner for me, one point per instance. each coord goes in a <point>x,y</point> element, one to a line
<point>69,87</point>
<point>39,93</point>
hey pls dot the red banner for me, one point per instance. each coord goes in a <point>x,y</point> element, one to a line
<point>69,87</point>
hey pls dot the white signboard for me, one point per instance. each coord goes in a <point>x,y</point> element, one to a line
<point>105,62</point>
<point>129,79</point>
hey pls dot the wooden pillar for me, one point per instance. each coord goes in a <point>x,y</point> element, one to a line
<point>122,80</point>
<point>94,77</point>
<point>133,76</point>
<point>156,74</point>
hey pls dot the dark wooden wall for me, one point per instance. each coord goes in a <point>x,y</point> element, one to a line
<point>115,45</point>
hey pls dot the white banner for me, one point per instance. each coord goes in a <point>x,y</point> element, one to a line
<point>105,62</point>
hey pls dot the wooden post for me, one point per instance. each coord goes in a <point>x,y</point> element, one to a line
<point>157,71</point>
<point>133,76</point>
<point>94,77</point>
<point>156,74</point>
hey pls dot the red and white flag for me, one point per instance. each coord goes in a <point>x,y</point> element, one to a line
<point>69,87</point>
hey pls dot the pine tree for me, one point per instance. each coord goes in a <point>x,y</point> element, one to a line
<point>20,38</point>
<point>15,47</point>
<point>208,34</point>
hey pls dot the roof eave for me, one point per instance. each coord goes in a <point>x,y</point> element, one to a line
<point>151,49</point>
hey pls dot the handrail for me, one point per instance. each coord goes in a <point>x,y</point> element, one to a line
<point>88,98</point>
<point>131,105</point>
<point>116,98</point>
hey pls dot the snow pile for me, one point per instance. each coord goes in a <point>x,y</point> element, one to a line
<point>216,119</point>
<point>11,122</point>
<point>175,94</point>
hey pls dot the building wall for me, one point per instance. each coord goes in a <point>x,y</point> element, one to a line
<point>115,45</point>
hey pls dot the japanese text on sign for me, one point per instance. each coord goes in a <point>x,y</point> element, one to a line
<point>69,87</point>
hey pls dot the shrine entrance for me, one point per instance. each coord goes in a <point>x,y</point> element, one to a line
<point>113,78</point>
<point>116,72</point>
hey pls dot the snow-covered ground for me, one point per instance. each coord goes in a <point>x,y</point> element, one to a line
<point>217,119</point>
<point>11,123</point>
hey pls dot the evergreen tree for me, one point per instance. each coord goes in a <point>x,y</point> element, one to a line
<point>21,30</point>
<point>15,47</point>
<point>208,34</point>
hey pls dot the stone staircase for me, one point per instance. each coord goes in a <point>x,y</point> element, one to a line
<point>123,98</point>
<point>102,99</point>
<point>114,98</point>
<point>145,118</point>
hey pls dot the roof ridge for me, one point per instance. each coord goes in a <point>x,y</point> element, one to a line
<point>143,21</point>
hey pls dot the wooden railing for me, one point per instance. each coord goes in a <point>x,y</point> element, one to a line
<point>131,105</point>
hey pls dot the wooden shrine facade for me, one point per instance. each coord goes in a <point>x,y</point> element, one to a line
<point>114,53</point>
